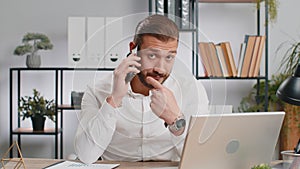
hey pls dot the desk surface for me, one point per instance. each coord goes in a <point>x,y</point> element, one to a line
<point>37,163</point>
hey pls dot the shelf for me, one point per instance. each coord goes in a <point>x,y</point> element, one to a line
<point>233,78</point>
<point>57,131</point>
<point>68,107</point>
<point>29,131</point>
<point>227,1</point>
<point>62,68</point>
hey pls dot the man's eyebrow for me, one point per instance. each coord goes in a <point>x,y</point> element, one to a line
<point>158,50</point>
<point>153,49</point>
<point>173,51</point>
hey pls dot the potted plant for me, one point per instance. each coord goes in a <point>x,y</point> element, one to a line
<point>290,131</point>
<point>32,43</point>
<point>37,108</point>
<point>254,102</point>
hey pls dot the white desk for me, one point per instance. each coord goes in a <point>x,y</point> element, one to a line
<point>37,163</point>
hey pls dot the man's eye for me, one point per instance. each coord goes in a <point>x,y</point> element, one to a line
<point>151,56</point>
<point>170,57</point>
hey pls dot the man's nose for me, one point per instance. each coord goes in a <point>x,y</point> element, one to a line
<point>160,63</point>
<point>159,67</point>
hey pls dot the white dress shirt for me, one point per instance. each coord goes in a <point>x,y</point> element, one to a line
<point>133,132</point>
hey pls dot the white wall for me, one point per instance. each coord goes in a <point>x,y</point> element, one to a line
<point>50,17</point>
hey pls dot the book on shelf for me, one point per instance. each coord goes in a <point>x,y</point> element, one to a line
<point>171,10</point>
<point>254,56</point>
<point>160,7</point>
<point>185,14</point>
<point>204,58</point>
<point>259,56</point>
<point>228,55</point>
<point>191,14</point>
<point>222,61</point>
<point>217,59</point>
<point>241,58</point>
<point>250,42</point>
<point>250,56</point>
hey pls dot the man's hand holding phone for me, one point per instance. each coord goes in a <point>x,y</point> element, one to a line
<point>120,86</point>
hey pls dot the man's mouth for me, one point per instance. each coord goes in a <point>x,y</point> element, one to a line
<point>156,76</point>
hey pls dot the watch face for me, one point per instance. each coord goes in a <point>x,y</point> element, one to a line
<point>180,123</point>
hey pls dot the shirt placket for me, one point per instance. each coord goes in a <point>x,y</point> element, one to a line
<point>146,127</point>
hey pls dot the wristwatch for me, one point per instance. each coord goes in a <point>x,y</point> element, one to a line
<point>178,124</point>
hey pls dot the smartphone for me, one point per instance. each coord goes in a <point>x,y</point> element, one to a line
<point>129,75</point>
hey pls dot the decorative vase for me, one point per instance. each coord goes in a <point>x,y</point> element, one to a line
<point>38,123</point>
<point>33,61</point>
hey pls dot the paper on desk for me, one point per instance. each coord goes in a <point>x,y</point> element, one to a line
<point>78,165</point>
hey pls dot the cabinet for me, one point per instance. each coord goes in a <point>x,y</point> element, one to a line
<point>15,90</point>
<point>195,20</point>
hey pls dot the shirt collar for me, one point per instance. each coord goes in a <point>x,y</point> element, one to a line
<point>133,94</point>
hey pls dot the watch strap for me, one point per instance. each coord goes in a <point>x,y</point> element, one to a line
<point>173,127</point>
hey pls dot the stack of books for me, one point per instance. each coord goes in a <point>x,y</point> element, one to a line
<point>250,56</point>
<point>218,60</point>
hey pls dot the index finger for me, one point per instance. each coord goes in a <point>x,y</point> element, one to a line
<point>154,83</point>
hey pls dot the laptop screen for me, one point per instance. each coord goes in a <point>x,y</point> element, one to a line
<point>231,141</point>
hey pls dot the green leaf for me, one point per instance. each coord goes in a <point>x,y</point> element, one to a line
<point>36,105</point>
<point>32,42</point>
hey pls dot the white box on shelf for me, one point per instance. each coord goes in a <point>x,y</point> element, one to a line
<point>95,41</point>
<point>76,39</point>
<point>113,41</point>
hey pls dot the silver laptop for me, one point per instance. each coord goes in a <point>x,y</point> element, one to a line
<point>231,141</point>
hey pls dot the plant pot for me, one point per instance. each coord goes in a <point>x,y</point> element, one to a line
<point>33,61</point>
<point>290,131</point>
<point>38,123</point>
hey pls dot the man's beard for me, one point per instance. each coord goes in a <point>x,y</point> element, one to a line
<point>143,77</point>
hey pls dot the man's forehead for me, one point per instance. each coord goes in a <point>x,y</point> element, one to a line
<point>158,50</point>
<point>154,42</point>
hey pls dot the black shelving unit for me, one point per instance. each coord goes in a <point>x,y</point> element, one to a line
<point>258,22</point>
<point>17,129</point>
<point>195,21</point>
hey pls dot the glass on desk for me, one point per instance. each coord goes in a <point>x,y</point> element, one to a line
<point>291,160</point>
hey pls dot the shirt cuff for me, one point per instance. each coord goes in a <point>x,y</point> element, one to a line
<point>107,112</point>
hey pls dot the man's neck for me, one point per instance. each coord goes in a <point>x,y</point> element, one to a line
<point>138,87</point>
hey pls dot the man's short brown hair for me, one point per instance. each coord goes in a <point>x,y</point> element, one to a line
<point>159,26</point>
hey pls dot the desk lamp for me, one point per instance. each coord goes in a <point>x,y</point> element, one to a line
<point>289,92</point>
